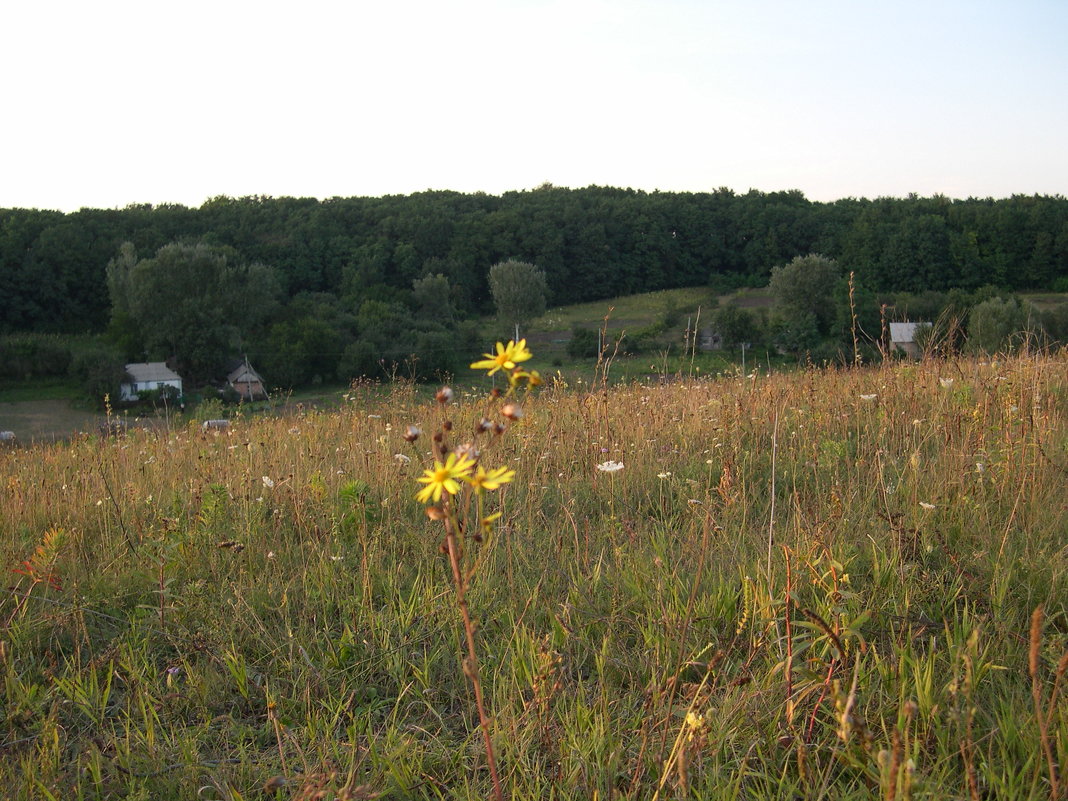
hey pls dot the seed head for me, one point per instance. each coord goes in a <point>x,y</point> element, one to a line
<point>467,449</point>
<point>444,395</point>
<point>513,411</point>
<point>411,434</point>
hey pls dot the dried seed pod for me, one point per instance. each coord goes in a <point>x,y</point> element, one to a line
<point>513,411</point>
<point>444,395</point>
<point>411,434</point>
<point>467,449</point>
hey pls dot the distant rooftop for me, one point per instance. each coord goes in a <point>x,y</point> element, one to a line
<point>151,371</point>
<point>905,332</point>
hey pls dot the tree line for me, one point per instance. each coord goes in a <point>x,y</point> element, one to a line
<point>348,284</point>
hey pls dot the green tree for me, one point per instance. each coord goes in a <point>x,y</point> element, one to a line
<point>735,325</point>
<point>432,298</point>
<point>193,302</point>
<point>1000,324</point>
<point>519,291</point>
<point>806,286</point>
<point>301,351</point>
<point>99,370</point>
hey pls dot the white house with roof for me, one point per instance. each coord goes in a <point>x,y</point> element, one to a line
<point>903,337</point>
<point>146,376</point>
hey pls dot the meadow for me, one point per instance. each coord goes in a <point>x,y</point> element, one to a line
<point>828,583</point>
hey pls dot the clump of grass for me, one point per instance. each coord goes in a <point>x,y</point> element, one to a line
<point>256,610</point>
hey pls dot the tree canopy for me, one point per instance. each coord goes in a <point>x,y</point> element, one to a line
<point>519,291</point>
<point>192,302</point>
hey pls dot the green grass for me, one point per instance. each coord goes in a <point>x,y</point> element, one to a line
<point>40,389</point>
<point>812,585</point>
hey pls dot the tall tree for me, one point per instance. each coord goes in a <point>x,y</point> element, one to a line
<point>804,290</point>
<point>519,292</point>
<point>192,302</point>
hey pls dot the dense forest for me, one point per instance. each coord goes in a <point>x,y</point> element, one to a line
<point>347,271</point>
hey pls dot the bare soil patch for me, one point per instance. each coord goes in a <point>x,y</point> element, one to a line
<point>46,420</point>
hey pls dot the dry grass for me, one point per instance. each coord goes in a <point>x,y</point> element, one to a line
<point>816,584</point>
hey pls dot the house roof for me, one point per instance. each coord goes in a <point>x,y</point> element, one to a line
<point>244,374</point>
<point>905,332</point>
<point>140,372</point>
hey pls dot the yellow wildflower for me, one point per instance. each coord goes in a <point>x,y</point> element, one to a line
<point>505,358</point>
<point>489,480</point>
<point>532,377</point>
<point>442,478</point>
<point>486,525</point>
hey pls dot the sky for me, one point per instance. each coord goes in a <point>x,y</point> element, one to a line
<point>111,103</point>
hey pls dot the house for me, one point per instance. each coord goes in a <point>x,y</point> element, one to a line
<point>147,376</point>
<point>903,337</point>
<point>246,382</point>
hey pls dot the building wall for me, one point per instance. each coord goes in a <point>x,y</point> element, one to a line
<point>131,392</point>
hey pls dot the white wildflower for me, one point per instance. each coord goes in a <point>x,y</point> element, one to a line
<point>610,466</point>
<point>268,482</point>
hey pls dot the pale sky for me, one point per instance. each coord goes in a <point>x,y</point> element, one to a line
<point>109,103</point>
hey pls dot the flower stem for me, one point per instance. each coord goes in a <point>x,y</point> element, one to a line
<point>471,663</point>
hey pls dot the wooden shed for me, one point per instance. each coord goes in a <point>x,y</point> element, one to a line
<point>246,382</point>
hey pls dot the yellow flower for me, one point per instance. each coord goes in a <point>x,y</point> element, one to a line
<point>487,522</point>
<point>506,357</point>
<point>491,480</point>
<point>442,478</point>
<point>532,377</point>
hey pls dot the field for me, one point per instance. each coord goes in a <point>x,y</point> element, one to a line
<point>822,584</point>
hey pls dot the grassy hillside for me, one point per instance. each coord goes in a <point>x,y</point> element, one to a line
<point>846,584</point>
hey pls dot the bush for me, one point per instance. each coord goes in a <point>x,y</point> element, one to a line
<point>26,356</point>
<point>99,371</point>
<point>1000,324</point>
<point>584,343</point>
<point>1055,322</point>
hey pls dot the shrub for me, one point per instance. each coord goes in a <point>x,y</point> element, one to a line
<point>26,356</point>
<point>583,344</point>
<point>99,371</point>
<point>1000,324</point>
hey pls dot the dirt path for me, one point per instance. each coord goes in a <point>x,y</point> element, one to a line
<point>46,420</point>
